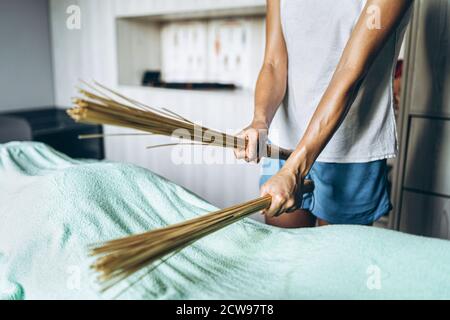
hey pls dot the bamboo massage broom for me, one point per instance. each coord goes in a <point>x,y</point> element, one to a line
<point>120,258</point>
<point>118,110</point>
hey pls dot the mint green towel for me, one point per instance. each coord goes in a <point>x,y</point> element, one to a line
<point>52,207</point>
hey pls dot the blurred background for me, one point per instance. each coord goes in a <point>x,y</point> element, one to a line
<point>200,58</point>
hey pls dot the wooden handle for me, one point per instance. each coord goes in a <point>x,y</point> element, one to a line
<point>275,152</point>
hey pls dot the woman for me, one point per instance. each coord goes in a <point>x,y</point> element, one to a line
<point>334,63</point>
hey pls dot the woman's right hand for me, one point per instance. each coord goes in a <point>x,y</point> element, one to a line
<point>255,137</point>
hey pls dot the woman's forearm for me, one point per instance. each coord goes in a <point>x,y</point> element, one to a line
<point>269,93</point>
<point>272,79</point>
<point>270,87</point>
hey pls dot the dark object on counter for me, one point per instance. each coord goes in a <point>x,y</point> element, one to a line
<point>195,85</point>
<point>53,127</point>
<point>153,79</point>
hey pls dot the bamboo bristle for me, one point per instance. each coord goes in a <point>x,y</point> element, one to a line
<point>102,135</point>
<point>118,259</point>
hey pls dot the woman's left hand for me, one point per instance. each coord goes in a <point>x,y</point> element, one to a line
<point>285,189</point>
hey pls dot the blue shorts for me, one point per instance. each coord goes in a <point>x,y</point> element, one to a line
<point>345,193</point>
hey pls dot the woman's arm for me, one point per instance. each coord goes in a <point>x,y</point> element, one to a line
<point>359,54</point>
<point>271,84</point>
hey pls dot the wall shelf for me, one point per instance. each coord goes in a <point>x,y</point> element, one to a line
<point>209,46</point>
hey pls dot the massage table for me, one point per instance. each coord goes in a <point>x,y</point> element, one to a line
<point>53,207</point>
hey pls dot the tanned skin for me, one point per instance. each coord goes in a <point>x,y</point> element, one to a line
<point>361,50</point>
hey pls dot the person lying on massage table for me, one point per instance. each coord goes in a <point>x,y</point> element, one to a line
<point>334,63</point>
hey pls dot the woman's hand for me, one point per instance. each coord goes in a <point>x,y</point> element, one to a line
<point>255,137</point>
<point>285,190</point>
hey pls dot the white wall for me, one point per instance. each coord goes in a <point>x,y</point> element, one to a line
<point>25,55</point>
<point>90,53</point>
